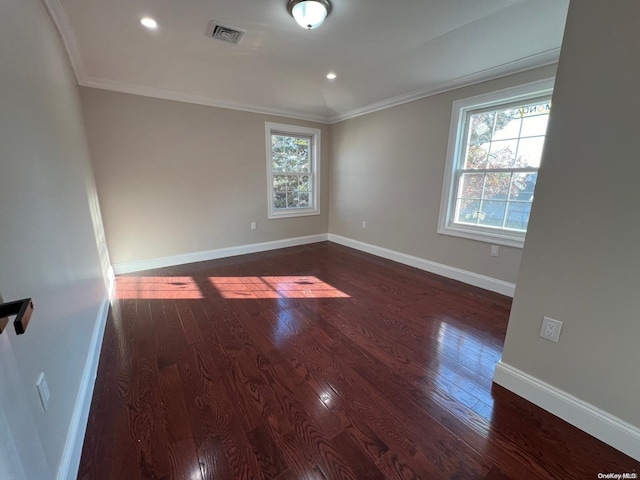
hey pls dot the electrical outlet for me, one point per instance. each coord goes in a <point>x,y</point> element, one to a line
<point>495,250</point>
<point>254,225</point>
<point>43,391</point>
<point>551,329</point>
<point>364,224</point>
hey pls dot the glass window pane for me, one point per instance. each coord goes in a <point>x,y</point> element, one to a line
<point>467,211</point>
<point>481,127</point>
<point>283,144</point>
<point>304,165</point>
<point>476,156</point>
<point>292,183</point>
<point>523,186</point>
<point>277,144</point>
<point>278,162</point>
<point>279,183</point>
<point>292,200</point>
<point>518,215</point>
<point>533,109</point>
<point>534,126</point>
<point>471,185</point>
<point>285,152</point>
<point>280,200</point>
<point>530,152</point>
<point>492,213</point>
<point>291,164</point>
<point>496,186</point>
<point>304,184</point>
<point>304,200</point>
<point>502,154</point>
<point>507,125</point>
<point>278,153</point>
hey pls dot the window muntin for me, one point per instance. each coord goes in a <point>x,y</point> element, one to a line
<point>493,163</point>
<point>292,154</point>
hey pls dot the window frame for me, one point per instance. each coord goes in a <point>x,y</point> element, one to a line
<point>454,162</point>
<point>314,157</point>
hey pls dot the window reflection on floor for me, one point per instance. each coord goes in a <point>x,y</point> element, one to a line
<point>465,371</point>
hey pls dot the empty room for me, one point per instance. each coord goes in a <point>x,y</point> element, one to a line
<point>319,239</point>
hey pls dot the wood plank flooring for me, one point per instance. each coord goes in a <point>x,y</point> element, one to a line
<point>316,362</point>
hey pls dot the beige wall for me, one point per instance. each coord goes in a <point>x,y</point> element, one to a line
<point>48,246</point>
<point>581,261</point>
<point>175,178</point>
<point>387,168</point>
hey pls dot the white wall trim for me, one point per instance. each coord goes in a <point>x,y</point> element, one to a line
<point>602,425</point>
<point>70,462</point>
<point>61,21</point>
<point>315,156</point>
<point>164,94</point>
<point>538,60</point>
<point>470,278</point>
<point>152,263</point>
<point>457,141</point>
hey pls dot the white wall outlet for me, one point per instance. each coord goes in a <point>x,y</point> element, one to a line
<point>495,250</point>
<point>43,391</point>
<point>551,329</point>
<point>364,224</point>
<point>254,225</point>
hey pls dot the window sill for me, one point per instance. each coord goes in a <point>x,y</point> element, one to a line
<point>496,238</point>
<point>307,212</point>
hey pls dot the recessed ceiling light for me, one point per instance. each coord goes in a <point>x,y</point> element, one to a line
<point>331,76</point>
<point>149,22</point>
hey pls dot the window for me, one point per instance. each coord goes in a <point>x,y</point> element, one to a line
<point>495,146</point>
<point>292,170</point>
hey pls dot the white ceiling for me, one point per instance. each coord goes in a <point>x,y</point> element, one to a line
<point>384,52</point>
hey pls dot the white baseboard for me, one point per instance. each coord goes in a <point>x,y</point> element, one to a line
<point>70,462</point>
<point>470,278</point>
<point>464,276</point>
<point>181,259</point>
<point>598,423</point>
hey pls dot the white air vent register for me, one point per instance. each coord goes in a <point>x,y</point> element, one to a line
<point>225,33</point>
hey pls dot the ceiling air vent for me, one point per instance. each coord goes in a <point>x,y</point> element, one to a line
<point>225,32</point>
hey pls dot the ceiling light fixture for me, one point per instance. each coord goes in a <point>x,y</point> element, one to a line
<point>331,76</point>
<point>309,13</point>
<point>149,23</point>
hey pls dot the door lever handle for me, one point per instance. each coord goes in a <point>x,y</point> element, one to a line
<point>22,309</point>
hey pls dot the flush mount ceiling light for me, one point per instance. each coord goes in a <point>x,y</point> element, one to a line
<point>309,13</point>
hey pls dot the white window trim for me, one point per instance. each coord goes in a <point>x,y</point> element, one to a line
<point>456,141</point>
<point>271,128</point>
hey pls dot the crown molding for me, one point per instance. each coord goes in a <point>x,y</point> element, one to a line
<point>165,94</point>
<point>61,21</point>
<point>538,60</point>
<point>59,17</point>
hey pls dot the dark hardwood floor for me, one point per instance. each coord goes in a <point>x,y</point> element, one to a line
<point>316,362</point>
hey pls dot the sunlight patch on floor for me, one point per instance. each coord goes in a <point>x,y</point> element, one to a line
<point>157,288</point>
<point>295,286</point>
